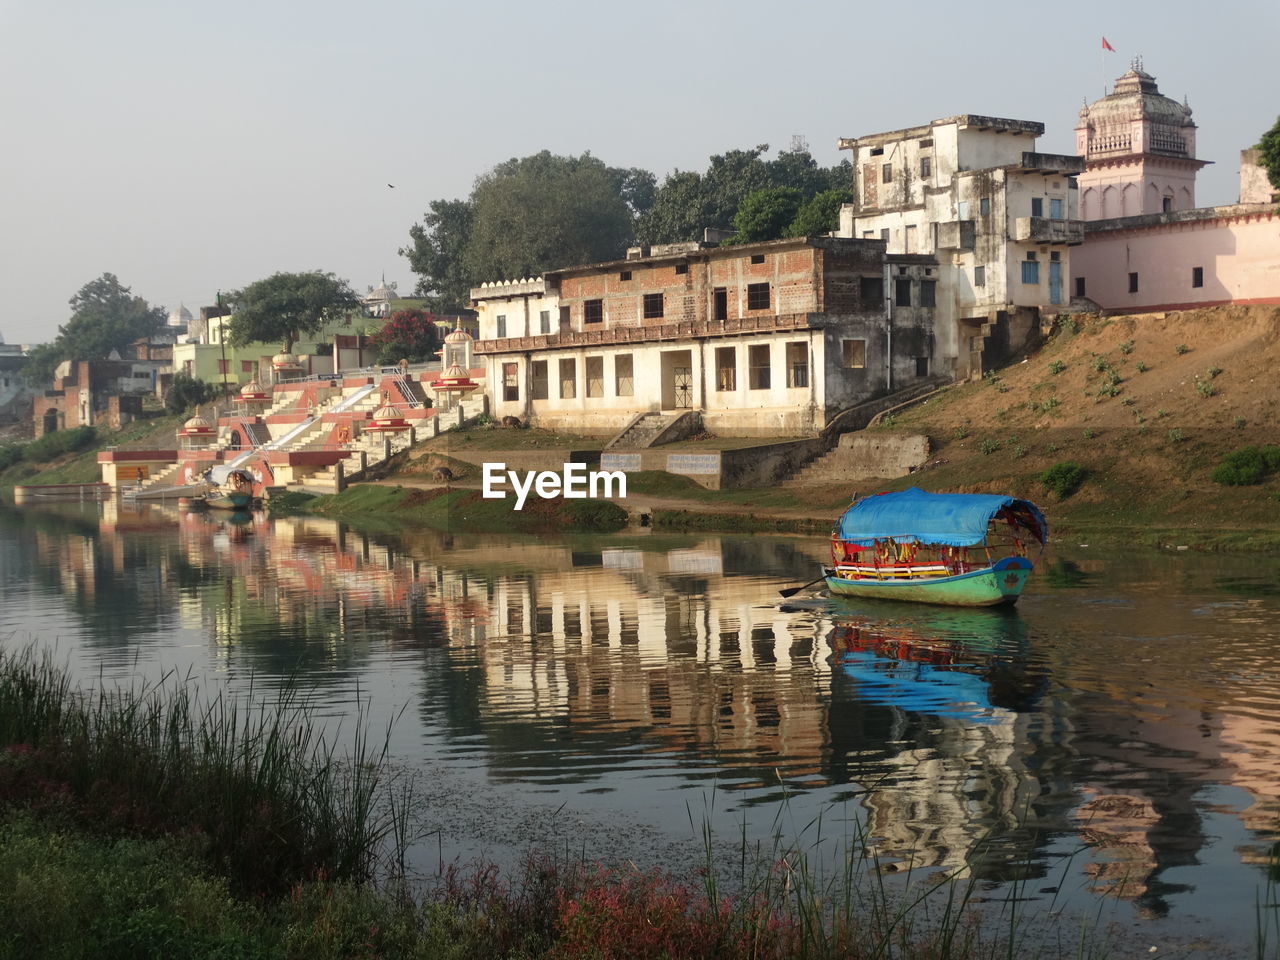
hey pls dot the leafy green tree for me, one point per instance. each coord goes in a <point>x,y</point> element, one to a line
<point>408,335</point>
<point>688,202</point>
<point>286,305</point>
<point>524,217</point>
<point>436,254</point>
<point>537,213</point>
<point>105,316</point>
<point>820,214</point>
<point>765,214</point>
<point>1270,159</point>
<point>187,391</point>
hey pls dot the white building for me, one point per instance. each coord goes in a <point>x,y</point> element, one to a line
<point>765,339</point>
<point>999,217</point>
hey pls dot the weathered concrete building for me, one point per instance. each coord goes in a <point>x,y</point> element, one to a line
<point>1147,245</point>
<point>763,339</point>
<point>999,218</point>
<point>89,392</point>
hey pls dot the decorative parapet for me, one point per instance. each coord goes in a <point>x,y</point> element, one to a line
<point>654,333</point>
<point>528,287</point>
<point>1067,163</point>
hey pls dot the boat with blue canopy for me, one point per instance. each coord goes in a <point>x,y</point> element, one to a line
<point>961,549</point>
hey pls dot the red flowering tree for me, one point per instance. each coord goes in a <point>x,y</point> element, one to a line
<point>408,335</point>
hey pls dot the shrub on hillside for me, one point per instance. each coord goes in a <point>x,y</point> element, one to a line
<point>10,453</point>
<point>55,444</point>
<point>1064,478</point>
<point>1247,466</point>
<point>187,391</point>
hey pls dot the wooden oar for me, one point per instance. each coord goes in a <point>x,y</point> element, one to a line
<point>794,590</point>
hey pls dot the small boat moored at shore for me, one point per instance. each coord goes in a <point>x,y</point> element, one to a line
<point>234,493</point>
<point>961,549</point>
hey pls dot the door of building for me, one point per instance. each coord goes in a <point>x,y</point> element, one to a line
<point>684,387</point>
<point>1055,281</point>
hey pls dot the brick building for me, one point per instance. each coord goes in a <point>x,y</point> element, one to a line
<point>762,339</point>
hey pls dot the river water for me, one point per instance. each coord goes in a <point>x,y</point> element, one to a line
<point>1114,741</point>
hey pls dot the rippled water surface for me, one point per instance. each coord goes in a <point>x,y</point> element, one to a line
<point>1116,736</point>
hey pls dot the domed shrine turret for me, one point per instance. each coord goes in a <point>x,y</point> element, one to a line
<point>1139,148</point>
<point>195,433</point>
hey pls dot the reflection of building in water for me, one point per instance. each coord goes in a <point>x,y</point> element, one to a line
<point>639,646</point>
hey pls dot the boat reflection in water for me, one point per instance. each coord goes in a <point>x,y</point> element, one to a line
<point>933,711</point>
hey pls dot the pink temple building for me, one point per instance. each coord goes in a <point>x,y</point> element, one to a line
<point>1147,246</point>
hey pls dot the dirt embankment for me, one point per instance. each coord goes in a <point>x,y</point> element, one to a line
<point>1148,404</point>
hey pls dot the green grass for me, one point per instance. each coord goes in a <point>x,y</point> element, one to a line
<point>260,791</point>
<point>465,509</point>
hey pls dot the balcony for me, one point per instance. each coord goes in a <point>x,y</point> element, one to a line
<point>653,333</point>
<point>957,235</point>
<point>1045,230</point>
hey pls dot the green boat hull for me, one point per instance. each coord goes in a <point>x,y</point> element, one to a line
<point>981,588</point>
<point>229,501</point>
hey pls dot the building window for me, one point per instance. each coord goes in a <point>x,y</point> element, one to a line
<point>1166,204</point>
<point>593,370</point>
<point>1037,206</point>
<point>564,318</point>
<point>980,276</point>
<point>652,306</point>
<point>902,291</point>
<point>682,268</point>
<point>726,369</point>
<point>510,381</point>
<point>592,311</point>
<point>868,234</point>
<point>720,303</point>
<point>502,326</point>
<point>877,151</point>
<point>853,353</point>
<point>1055,209</point>
<point>538,389</point>
<point>1030,269</point>
<point>544,322</point>
<point>927,142</point>
<point>1079,286</point>
<point>186,367</point>
<point>962,209</point>
<point>1055,256</point>
<point>871,291</point>
<point>926,168</point>
<point>568,379</point>
<point>984,206</point>
<point>758,361</point>
<point>922,366</point>
<point>222,367</point>
<point>928,293</point>
<point>797,365</point>
<point>757,296</point>
<point>757,258</point>
<point>246,366</point>
<point>886,173</point>
<point>884,234</point>
<point>624,275</point>
<point>1197,276</point>
<point>624,384</point>
<point>1133,283</point>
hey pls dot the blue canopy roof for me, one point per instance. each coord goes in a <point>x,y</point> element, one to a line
<point>951,519</point>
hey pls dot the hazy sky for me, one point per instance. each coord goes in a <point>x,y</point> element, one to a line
<point>194,147</point>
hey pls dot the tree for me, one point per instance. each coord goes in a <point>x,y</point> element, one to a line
<point>686,203</point>
<point>437,252</point>
<point>186,392</point>
<point>407,335</point>
<point>105,316</point>
<point>524,217</point>
<point>1270,158</point>
<point>820,214</point>
<point>765,214</point>
<point>286,305</point>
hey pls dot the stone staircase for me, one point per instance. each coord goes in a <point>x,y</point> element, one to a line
<point>651,429</point>
<point>862,455</point>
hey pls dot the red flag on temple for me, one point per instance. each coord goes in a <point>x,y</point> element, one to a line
<point>1107,46</point>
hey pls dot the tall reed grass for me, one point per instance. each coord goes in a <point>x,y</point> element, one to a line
<point>261,791</point>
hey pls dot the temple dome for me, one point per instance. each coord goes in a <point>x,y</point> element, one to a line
<point>180,316</point>
<point>1136,96</point>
